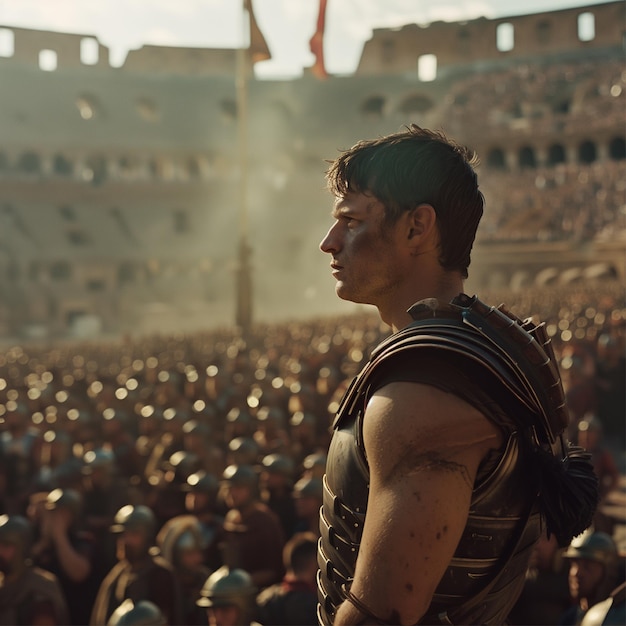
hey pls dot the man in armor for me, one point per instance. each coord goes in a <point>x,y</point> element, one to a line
<point>595,571</point>
<point>181,543</point>
<point>28,595</point>
<point>431,504</point>
<point>138,574</point>
<point>229,598</point>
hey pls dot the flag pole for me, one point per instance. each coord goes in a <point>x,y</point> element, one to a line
<point>243,314</point>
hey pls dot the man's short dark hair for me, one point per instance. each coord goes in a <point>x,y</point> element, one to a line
<point>412,167</point>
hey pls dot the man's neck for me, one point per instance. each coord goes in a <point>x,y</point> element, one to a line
<point>445,290</point>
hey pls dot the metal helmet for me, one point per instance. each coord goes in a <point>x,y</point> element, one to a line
<point>179,534</point>
<point>315,464</point>
<point>272,415</point>
<point>278,464</point>
<point>142,613</point>
<point>309,486</point>
<point>203,482</point>
<point>600,548</point>
<point>17,530</point>
<point>138,518</point>
<point>180,466</point>
<point>102,458</point>
<point>229,587</point>
<point>241,475</point>
<point>237,416</point>
<point>194,427</point>
<point>65,499</point>
<point>243,450</point>
<point>595,546</point>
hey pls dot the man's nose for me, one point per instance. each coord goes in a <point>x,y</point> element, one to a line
<point>330,242</point>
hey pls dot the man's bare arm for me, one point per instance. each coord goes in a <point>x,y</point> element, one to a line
<point>423,447</point>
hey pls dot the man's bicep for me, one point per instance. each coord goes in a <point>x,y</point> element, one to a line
<point>422,468</point>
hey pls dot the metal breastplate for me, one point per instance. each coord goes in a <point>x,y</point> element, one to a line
<point>485,575</point>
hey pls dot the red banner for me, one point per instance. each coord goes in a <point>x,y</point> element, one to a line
<point>317,43</point>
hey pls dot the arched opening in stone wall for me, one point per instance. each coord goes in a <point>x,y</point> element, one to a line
<point>526,157</point>
<point>61,166</point>
<point>496,159</point>
<point>505,37</point>
<point>89,51</point>
<point>617,148</point>
<point>427,67</point>
<point>48,61</point>
<point>556,154</point>
<point>228,109</point>
<point>544,31</point>
<point>415,103</point>
<point>388,51</point>
<point>7,42</point>
<point>374,106</point>
<point>60,270</point>
<point>126,274</point>
<point>192,168</point>
<point>587,152</point>
<point>67,213</point>
<point>464,41</point>
<point>586,26</point>
<point>96,170</point>
<point>29,163</point>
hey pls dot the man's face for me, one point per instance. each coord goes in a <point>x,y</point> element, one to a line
<point>584,577</point>
<point>365,253</point>
<point>238,495</point>
<point>133,543</point>
<point>307,507</point>
<point>190,560</point>
<point>8,552</point>
<point>224,616</point>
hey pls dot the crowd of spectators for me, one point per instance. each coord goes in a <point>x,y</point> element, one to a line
<point>567,97</point>
<point>211,446</point>
<point>566,202</point>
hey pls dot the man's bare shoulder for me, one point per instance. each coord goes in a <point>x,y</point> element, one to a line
<point>426,418</point>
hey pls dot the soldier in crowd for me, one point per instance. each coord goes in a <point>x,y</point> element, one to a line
<point>18,442</point>
<point>201,502</point>
<point>138,575</point>
<point>198,439</point>
<point>276,481</point>
<point>595,570</point>
<point>243,451</point>
<point>271,431</point>
<point>293,601</point>
<point>29,596</point>
<point>253,536</point>
<point>166,498</point>
<point>104,493</point>
<point>308,495</point>
<point>545,595</point>
<point>181,544</point>
<point>229,598</point>
<point>67,550</point>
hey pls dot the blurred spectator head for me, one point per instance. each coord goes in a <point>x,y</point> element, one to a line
<point>229,596</point>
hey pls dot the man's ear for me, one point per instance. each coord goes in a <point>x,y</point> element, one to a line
<point>422,223</point>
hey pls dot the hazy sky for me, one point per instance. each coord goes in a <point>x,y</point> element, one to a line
<point>287,24</point>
